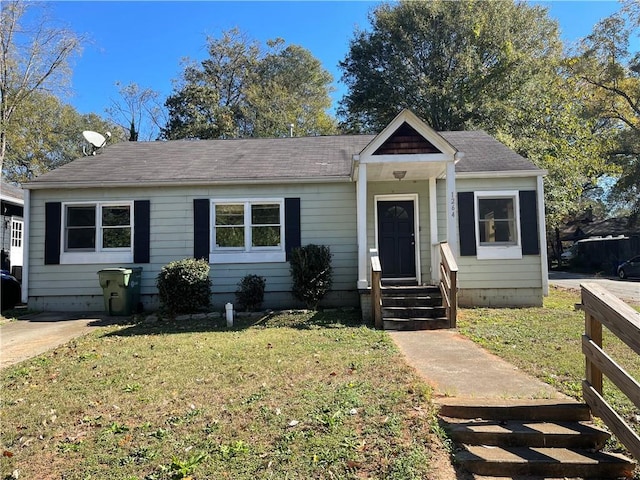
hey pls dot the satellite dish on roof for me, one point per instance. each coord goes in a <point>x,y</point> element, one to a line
<point>96,140</point>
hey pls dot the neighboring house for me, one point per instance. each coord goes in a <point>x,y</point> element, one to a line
<point>12,208</point>
<point>245,203</point>
<point>587,227</point>
<point>601,245</point>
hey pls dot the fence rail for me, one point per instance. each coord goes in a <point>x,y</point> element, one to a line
<point>603,308</point>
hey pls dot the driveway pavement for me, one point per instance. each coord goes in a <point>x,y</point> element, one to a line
<point>628,290</point>
<point>25,338</point>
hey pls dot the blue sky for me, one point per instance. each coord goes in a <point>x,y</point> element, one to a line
<point>143,42</point>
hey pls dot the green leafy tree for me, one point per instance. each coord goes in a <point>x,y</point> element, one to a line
<point>34,57</point>
<point>610,71</point>
<point>242,91</point>
<point>44,134</point>
<point>291,91</point>
<point>455,64</point>
<point>496,66</point>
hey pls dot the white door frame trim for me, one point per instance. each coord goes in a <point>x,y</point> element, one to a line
<point>416,223</point>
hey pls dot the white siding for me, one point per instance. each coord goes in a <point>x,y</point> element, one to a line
<point>496,282</point>
<point>328,217</point>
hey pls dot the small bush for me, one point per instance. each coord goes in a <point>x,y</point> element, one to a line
<point>250,293</point>
<point>311,273</point>
<point>184,285</point>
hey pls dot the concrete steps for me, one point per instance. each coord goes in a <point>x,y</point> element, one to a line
<point>546,438</point>
<point>412,308</point>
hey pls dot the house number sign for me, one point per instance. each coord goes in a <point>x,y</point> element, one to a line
<point>453,204</point>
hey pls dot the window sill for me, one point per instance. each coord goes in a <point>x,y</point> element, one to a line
<point>73,258</point>
<point>247,257</point>
<point>497,252</point>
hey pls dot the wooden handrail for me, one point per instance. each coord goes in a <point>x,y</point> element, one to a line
<point>449,283</point>
<point>376,291</point>
<point>603,308</point>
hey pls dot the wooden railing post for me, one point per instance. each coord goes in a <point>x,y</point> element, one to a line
<point>376,291</point>
<point>449,283</point>
<point>593,330</point>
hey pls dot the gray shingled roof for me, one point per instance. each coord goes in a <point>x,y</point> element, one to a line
<point>483,153</point>
<point>11,191</point>
<point>272,159</point>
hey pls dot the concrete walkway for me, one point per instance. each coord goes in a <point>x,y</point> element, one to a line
<point>26,338</point>
<point>457,367</point>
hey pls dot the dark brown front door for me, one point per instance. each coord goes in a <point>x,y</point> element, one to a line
<point>396,238</point>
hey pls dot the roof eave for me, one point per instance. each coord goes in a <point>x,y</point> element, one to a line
<point>187,183</point>
<point>503,174</point>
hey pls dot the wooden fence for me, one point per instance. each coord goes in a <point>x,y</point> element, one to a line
<point>603,308</point>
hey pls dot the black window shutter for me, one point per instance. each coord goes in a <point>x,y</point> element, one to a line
<point>201,228</point>
<point>291,224</point>
<point>52,226</point>
<point>141,231</point>
<point>467,223</point>
<point>529,223</point>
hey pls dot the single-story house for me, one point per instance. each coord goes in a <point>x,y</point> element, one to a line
<point>245,203</point>
<point>588,227</point>
<point>12,207</point>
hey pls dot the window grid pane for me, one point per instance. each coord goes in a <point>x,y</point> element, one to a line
<point>116,226</point>
<point>230,237</point>
<point>81,228</point>
<point>84,216</point>
<point>230,214</point>
<point>265,236</point>
<point>496,221</point>
<point>265,225</point>
<point>248,225</point>
<point>116,216</point>
<point>265,214</point>
<point>116,238</point>
<point>229,226</point>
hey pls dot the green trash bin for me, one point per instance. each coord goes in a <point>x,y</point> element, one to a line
<point>121,290</point>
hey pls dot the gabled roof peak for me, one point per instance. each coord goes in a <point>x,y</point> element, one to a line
<point>408,134</point>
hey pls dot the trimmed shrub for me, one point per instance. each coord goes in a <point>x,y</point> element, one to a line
<point>311,273</point>
<point>250,293</point>
<point>184,285</point>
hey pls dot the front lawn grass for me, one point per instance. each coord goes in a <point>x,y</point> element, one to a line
<point>546,343</point>
<point>293,396</point>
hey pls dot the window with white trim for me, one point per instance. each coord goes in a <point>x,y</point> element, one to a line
<point>97,232</point>
<point>497,225</point>
<point>247,231</point>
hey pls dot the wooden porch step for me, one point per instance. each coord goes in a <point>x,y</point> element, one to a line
<point>412,307</point>
<point>544,438</point>
<point>504,409</point>
<point>418,300</point>
<point>518,433</point>
<point>402,324</point>
<point>390,290</point>
<point>409,312</point>
<point>546,462</point>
